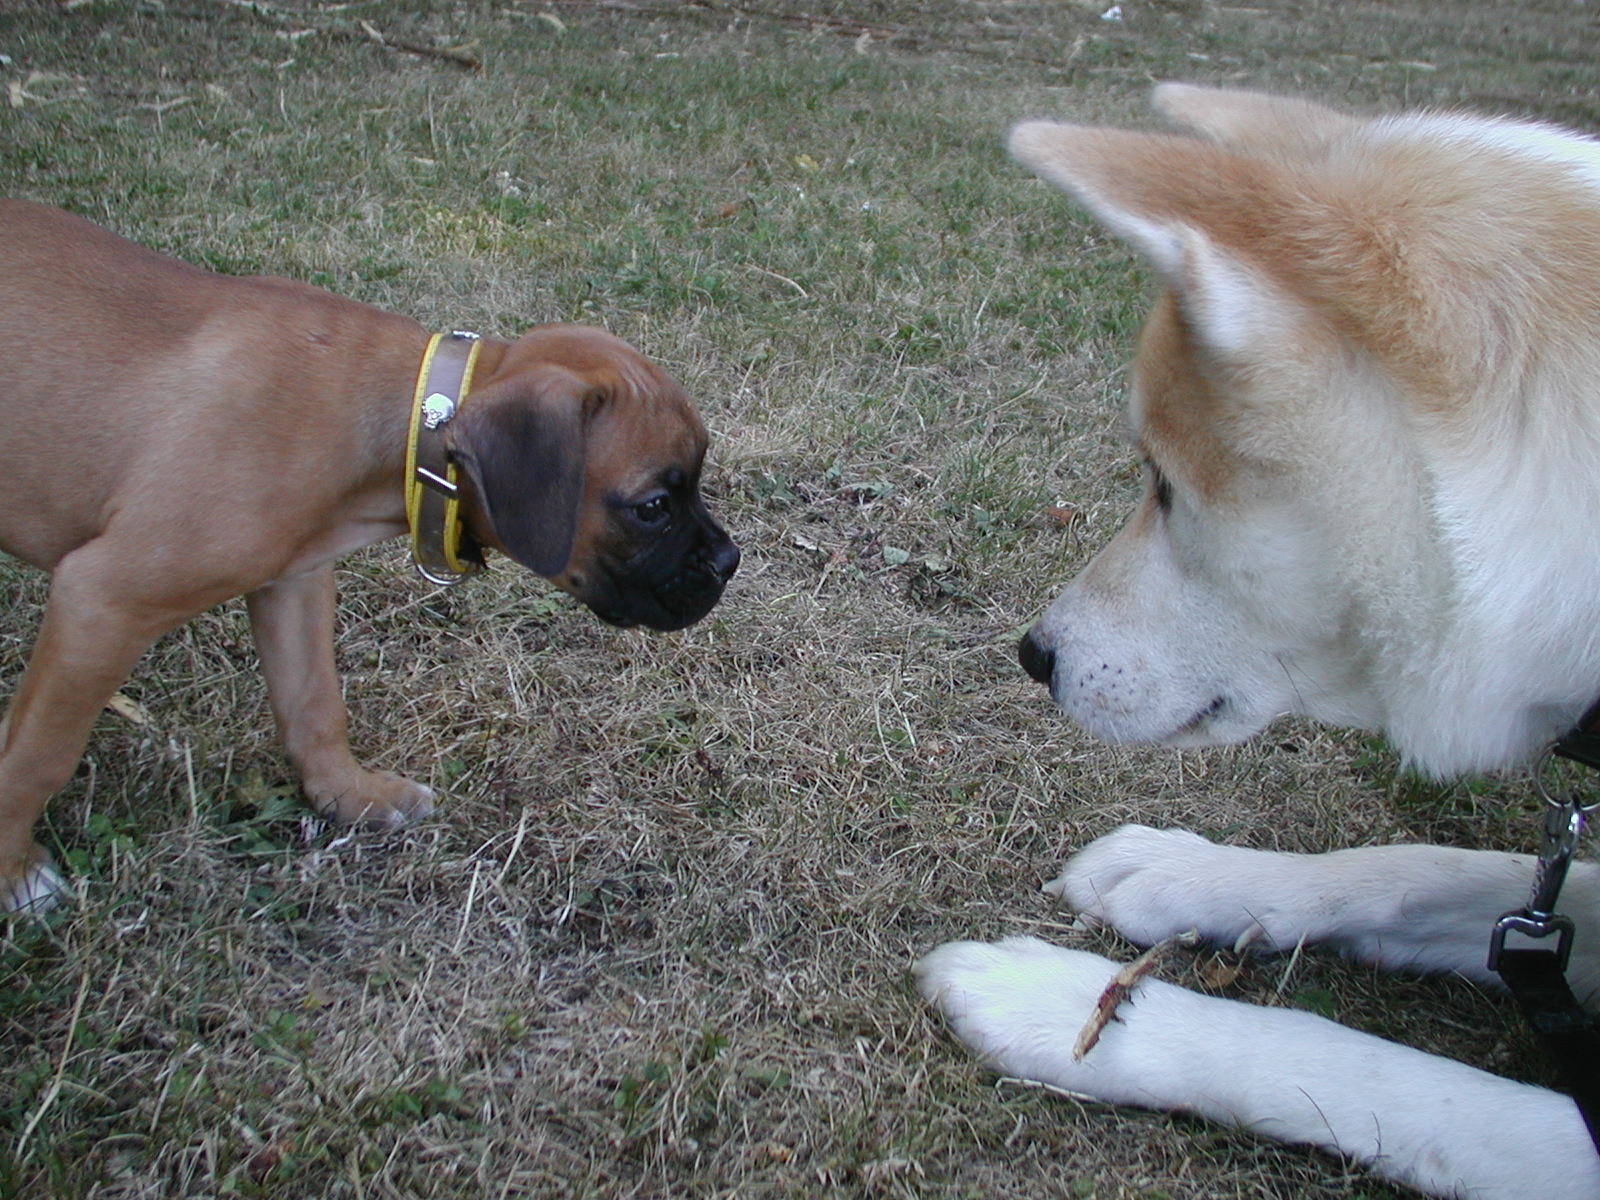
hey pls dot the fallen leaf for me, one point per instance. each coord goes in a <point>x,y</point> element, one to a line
<point>1218,973</point>
<point>129,710</point>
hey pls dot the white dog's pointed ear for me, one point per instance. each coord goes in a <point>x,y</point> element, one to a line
<point>1187,207</point>
<point>1251,120</point>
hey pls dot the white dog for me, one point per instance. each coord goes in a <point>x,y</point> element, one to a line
<point>1369,405</point>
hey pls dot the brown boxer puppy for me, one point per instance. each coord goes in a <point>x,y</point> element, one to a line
<point>175,438</point>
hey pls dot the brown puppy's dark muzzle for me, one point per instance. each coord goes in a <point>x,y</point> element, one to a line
<point>668,587</point>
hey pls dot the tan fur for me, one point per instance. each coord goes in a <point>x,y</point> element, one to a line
<point>1181,412</point>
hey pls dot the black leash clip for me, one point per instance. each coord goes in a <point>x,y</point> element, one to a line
<point>1563,826</point>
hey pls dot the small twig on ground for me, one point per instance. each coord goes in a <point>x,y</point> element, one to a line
<point>54,1089</point>
<point>363,31</point>
<point>843,25</point>
<point>460,55</point>
<point>1121,986</point>
<point>1000,44</point>
<point>780,279</point>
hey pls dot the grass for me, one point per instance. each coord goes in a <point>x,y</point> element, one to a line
<point>656,942</point>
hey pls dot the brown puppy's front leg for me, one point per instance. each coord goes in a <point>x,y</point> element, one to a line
<point>293,624</point>
<point>95,628</point>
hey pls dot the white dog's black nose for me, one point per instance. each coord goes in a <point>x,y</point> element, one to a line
<point>1036,660</point>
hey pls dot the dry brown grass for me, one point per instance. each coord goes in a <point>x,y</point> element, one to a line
<point>656,942</point>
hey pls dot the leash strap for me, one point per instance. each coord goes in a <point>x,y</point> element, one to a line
<point>1536,976</point>
<point>441,550</point>
<point>1581,743</point>
<point>1568,1034</point>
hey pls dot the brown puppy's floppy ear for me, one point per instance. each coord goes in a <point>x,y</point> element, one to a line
<point>522,449</point>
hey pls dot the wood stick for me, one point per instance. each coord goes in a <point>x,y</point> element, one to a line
<point>362,31</point>
<point>1121,986</point>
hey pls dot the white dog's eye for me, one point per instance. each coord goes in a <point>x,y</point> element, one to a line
<point>1163,488</point>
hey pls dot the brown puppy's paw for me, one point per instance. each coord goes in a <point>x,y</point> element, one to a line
<point>376,798</point>
<point>35,886</point>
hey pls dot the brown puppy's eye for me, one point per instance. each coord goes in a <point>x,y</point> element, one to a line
<point>653,511</point>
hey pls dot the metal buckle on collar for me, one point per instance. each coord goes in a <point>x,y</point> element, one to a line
<point>438,483</point>
<point>1563,826</point>
<point>435,578</point>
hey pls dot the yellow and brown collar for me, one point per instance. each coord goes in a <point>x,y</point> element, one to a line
<point>441,550</point>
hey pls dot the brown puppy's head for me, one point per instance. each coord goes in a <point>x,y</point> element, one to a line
<point>582,461</point>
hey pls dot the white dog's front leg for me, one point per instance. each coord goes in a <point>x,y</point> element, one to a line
<point>1420,907</point>
<point>1428,1122</point>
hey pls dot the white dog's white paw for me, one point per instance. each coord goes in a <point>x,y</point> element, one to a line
<point>1152,884</point>
<point>1412,906</point>
<point>1015,1002</point>
<point>1021,1004</point>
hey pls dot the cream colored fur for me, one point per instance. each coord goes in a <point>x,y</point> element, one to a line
<point>1370,401</point>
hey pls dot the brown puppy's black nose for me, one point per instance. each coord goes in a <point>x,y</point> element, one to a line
<point>725,560</point>
<point>1036,660</point>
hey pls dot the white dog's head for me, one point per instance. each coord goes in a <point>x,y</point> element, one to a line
<point>1368,401</point>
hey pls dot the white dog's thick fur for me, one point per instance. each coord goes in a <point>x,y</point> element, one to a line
<point>1368,402</point>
